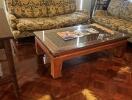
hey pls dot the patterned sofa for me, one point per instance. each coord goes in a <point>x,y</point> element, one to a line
<point>26,16</point>
<point>117,17</point>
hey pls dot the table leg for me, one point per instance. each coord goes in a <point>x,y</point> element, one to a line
<point>11,65</point>
<point>40,59</point>
<point>120,51</point>
<point>56,67</point>
<point>40,54</point>
<point>38,49</point>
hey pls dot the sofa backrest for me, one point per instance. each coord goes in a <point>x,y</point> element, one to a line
<point>121,9</point>
<point>126,10</point>
<point>58,7</point>
<point>40,8</point>
<point>114,7</point>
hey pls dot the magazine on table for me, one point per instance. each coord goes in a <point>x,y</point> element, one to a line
<point>68,35</point>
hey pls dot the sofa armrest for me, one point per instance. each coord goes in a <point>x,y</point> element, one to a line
<point>12,20</point>
<point>100,13</point>
<point>21,34</point>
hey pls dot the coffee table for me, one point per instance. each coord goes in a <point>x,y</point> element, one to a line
<point>50,43</point>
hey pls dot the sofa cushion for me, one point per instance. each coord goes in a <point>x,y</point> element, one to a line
<point>121,9</point>
<point>27,8</point>
<point>126,29</point>
<point>59,7</point>
<point>114,23</point>
<point>52,22</point>
<point>126,10</point>
<point>104,20</point>
<point>100,13</point>
<point>12,20</point>
<point>40,8</point>
<point>69,6</point>
<point>114,7</point>
<point>17,34</point>
<point>55,7</point>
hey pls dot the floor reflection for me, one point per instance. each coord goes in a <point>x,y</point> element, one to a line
<point>107,77</point>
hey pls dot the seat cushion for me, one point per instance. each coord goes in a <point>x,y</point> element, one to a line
<point>126,29</point>
<point>32,24</point>
<point>114,23</point>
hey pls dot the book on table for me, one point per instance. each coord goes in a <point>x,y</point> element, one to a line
<point>68,35</point>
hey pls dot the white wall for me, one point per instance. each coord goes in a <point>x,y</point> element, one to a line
<point>86,4</point>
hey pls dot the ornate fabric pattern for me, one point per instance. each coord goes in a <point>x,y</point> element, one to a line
<point>40,8</point>
<point>69,6</point>
<point>59,7</point>
<point>18,34</point>
<point>30,24</point>
<point>119,16</point>
<point>121,9</point>
<point>115,7</point>
<point>101,13</point>
<point>55,7</point>
<point>114,23</point>
<point>126,10</point>
<point>27,8</point>
<point>125,29</point>
<point>27,16</point>
<point>129,30</point>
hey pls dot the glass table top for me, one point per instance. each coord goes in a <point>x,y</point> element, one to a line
<point>57,45</point>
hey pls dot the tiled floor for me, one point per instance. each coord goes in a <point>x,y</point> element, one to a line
<point>96,72</point>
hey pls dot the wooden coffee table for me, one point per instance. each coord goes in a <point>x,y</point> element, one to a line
<point>50,43</point>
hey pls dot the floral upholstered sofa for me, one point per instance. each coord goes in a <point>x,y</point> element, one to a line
<point>117,17</point>
<point>26,16</point>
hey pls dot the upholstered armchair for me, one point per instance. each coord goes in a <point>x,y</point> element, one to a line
<point>26,16</point>
<point>118,16</point>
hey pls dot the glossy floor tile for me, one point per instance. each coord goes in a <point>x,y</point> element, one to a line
<point>98,75</point>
